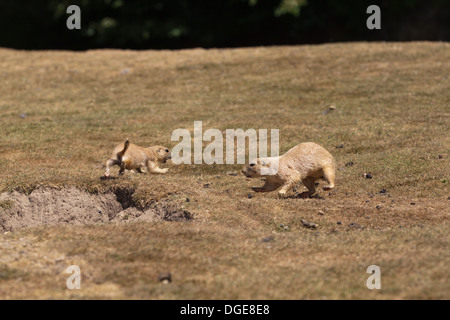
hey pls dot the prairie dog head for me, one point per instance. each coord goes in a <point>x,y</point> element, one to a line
<point>163,153</point>
<point>260,168</point>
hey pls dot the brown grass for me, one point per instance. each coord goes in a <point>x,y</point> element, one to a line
<point>392,116</point>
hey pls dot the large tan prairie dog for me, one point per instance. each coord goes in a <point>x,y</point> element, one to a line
<point>129,156</point>
<point>306,162</point>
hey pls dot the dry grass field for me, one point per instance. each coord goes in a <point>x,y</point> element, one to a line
<point>62,113</point>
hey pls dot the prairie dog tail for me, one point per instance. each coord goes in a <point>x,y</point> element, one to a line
<point>125,148</point>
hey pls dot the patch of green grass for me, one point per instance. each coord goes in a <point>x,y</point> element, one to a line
<point>6,204</point>
<point>7,273</point>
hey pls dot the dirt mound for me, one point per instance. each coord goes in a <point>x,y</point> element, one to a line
<point>47,206</point>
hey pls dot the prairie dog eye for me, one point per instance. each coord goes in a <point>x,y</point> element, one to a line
<point>167,150</point>
<point>252,164</point>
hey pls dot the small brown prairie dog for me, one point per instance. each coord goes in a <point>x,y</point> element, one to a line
<point>132,157</point>
<point>306,162</point>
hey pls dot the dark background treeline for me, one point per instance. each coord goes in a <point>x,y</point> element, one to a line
<point>157,24</point>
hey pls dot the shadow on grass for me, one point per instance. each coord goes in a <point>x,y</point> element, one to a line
<point>304,195</point>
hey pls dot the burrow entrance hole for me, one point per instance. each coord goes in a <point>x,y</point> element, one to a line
<point>49,206</point>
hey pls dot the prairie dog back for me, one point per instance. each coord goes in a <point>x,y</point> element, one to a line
<point>308,157</point>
